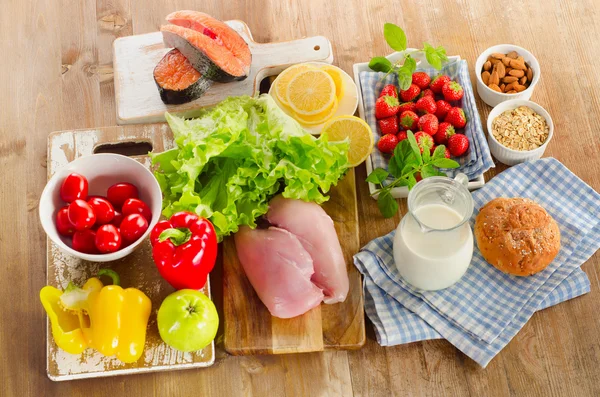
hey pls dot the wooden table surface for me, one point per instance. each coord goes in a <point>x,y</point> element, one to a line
<point>57,75</point>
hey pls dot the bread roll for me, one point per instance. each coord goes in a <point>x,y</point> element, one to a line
<point>517,236</point>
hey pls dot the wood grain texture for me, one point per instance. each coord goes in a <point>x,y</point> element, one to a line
<point>250,328</point>
<point>49,46</point>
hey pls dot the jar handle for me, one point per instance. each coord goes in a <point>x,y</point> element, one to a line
<point>462,179</point>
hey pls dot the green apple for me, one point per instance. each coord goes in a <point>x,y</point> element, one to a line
<point>187,320</point>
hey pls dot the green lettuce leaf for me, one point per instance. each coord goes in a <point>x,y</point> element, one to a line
<point>233,158</point>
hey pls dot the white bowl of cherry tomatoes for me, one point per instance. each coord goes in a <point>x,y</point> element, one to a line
<point>100,207</point>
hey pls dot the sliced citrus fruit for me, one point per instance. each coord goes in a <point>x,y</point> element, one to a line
<point>357,131</point>
<point>318,118</point>
<point>283,80</point>
<point>311,92</point>
<point>338,79</point>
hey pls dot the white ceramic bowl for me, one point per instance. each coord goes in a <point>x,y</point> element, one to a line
<point>492,97</point>
<point>510,156</point>
<point>101,171</point>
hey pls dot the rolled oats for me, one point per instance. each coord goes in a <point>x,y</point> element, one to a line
<point>520,129</point>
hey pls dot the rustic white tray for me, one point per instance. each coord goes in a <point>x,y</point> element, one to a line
<point>399,192</point>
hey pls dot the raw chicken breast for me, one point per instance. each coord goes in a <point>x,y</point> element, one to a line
<point>314,228</point>
<point>279,269</point>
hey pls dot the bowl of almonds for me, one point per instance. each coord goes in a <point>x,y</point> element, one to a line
<point>506,72</point>
<point>519,130</point>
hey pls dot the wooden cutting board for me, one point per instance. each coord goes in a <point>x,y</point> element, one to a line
<point>134,59</point>
<point>250,328</point>
<point>136,270</point>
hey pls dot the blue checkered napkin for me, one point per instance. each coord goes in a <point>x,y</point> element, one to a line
<point>486,308</point>
<point>477,160</point>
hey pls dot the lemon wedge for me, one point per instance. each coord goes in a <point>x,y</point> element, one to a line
<point>311,92</point>
<point>338,80</point>
<point>283,80</point>
<point>356,131</point>
<point>319,118</point>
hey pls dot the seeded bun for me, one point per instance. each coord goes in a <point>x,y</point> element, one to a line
<point>517,236</point>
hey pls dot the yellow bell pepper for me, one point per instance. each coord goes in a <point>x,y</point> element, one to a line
<point>115,323</point>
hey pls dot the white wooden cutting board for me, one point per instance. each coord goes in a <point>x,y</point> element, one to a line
<point>134,59</point>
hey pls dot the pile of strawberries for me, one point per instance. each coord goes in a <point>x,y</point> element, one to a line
<point>429,107</point>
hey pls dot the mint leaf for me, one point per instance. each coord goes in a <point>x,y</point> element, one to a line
<point>445,163</point>
<point>426,154</point>
<point>414,146</point>
<point>377,176</point>
<point>380,64</point>
<point>394,36</point>
<point>388,206</point>
<point>411,181</point>
<point>410,63</point>
<point>409,168</point>
<point>435,56</point>
<point>394,166</point>
<point>428,171</point>
<point>404,78</point>
<point>439,152</point>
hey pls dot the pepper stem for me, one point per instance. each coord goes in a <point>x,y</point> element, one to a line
<point>116,280</point>
<point>178,236</point>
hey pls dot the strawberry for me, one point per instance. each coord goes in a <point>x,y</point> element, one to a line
<point>445,131</point>
<point>386,106</point>
<point>442,109</point>
<point>421,80</point>
<point>390,90</point>
<point>426,105</point>
<point>458,144</point>
<point>402,136</point>
<point>407,106</point>
<point>429,124</point>
<point>452,91</point>
<point>409,120</point>
<point>438,83</point>
<point>456,117</point>
<point>447,153</point>
<point>387,143</point>
<point>418,177</point>
<point>424,140</point>
<point>389,125</point>
<point>427,92</point>
<point>411,93</point>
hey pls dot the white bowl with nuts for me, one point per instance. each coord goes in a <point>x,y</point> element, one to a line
<point>519,131</point>
<point>505,72</point>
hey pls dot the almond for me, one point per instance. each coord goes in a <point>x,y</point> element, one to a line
<point>493,60</point>
<point>485,77</point>
<point>487,66</point>
<point>510,79</point>
<point>517,73</point>
<point>495,87</point>
<point>497,55</point>
<point>523,80</point>
<point>500,69</point>
<point>520,87</point>
<point>517,65</point>
<point>506,61</point>
<point>520,59</point>
<point>511,92</point>
<point>494,79</point>
<point>510,86</point>
<point>502,86</point>
<point>512,54</point>
<point>529,74</point>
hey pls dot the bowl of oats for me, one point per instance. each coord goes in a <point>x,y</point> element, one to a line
<point>519,131</point>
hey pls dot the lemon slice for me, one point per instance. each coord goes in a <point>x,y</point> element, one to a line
<point>283,80</point>
<point>338,79</point>
<point>318,118</point>
<point>311,92</point>
<point>357,131</point>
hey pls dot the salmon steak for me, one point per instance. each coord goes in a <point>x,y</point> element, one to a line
<point>212,47</point>
<point>177,80</point>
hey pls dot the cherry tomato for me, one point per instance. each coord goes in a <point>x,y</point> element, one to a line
<point>85,241</point>
<point>133,226</point>
<point>136,206</point>
<point>103,209</point>
<point>63,225</point>
<point>81,215</point>
<point>117,219</point>
<point>119,192</point>
<point>74,187</point>
<point>108,238</point>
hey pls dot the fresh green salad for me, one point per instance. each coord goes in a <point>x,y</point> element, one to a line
<point>232,159</point>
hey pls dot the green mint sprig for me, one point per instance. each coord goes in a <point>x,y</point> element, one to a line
<point>405,67</point>
<point>405,163</point>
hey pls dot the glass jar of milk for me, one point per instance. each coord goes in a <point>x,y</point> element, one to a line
<point>433,244</point>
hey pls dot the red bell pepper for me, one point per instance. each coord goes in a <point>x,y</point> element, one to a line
<point>184,249</point>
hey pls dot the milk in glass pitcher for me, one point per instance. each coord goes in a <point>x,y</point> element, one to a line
<point>433,244</point>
